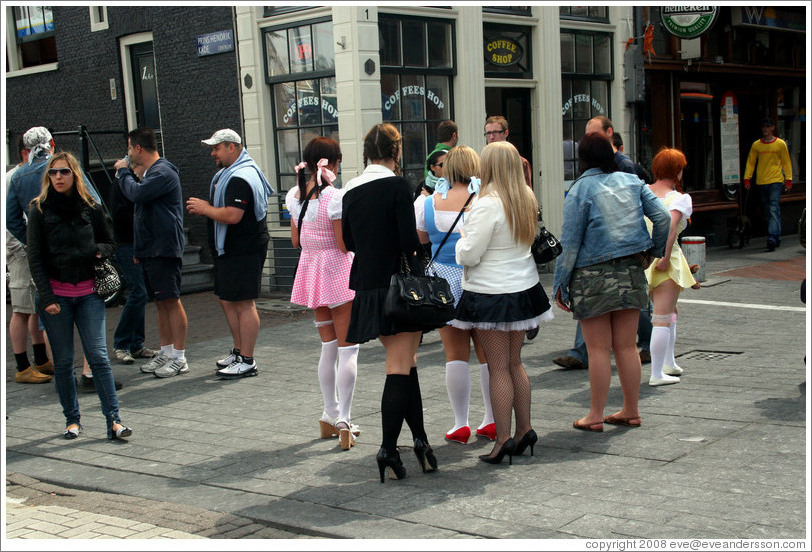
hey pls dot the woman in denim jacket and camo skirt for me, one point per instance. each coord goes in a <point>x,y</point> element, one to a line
<point>600,277</point>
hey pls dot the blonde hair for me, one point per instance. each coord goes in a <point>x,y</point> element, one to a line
<point>502,175</point>
<point>461,163</point>
<point>78,180</point>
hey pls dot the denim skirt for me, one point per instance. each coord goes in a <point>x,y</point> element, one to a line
<point>609,286</point>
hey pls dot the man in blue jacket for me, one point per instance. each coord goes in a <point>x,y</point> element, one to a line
<point>153,185</point>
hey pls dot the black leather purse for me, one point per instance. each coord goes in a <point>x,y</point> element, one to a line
<point>423,299</point>
<point>546,247</point>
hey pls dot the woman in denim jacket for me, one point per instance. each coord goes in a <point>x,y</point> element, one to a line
<point>600,277</point>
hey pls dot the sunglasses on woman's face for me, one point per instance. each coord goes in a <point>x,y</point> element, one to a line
<point>64,172</point>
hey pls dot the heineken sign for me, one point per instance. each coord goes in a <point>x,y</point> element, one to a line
<point>688,21</point>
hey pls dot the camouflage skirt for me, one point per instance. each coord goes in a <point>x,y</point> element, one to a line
<point>609,286</point>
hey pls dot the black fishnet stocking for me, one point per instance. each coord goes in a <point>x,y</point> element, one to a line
<point>510,387</point>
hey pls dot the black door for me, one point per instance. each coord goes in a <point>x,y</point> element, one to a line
<point>145,83</point>
<point>514,105</point>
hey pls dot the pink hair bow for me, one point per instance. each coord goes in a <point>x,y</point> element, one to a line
<point>322,169</point>
<point>300,166</point>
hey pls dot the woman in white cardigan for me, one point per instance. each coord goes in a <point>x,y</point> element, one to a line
<point>502,297</point>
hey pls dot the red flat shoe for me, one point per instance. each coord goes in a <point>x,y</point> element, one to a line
<point>488,431</point>
<point>618,420</point>
<point>596,427</point>
<point>460,436</point>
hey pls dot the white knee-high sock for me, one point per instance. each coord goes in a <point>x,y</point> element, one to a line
<point>458,385</point>
<point>485,380</point>
<point>327,376</point>
<point>345,379</point>
<point>669,355</point>
<point>660,335</point>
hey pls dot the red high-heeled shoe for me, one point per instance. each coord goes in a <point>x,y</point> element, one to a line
<point>488,431</point>
<point>460,436</point>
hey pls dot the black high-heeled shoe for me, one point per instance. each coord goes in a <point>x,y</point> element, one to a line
<point>528,439</point>
<point>425,456</point>
<point>392,462</point>
<point>507,448</point>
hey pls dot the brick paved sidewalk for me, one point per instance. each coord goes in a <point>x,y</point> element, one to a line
<point>36,510</point>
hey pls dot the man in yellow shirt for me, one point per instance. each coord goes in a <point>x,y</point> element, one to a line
<point>773,173</point>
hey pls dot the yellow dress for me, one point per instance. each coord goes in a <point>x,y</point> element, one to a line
<point>678,270</point>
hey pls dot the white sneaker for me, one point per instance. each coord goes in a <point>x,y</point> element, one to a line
<point>665,380</point>
<point>172,368</point>
<point>124,356</point>
<point>156,362</point>
<point>227,361</point>
<point>238,369</point>
<point>672,370</point>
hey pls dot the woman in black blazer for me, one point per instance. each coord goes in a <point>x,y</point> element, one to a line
<point>379,227</point>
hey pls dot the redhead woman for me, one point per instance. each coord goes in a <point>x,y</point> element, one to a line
<point>67,234</point>
<point>322,279</point>
<point>502,297</point>
<point>435,215</point>
<point>670,275</point>
<point>379,227</point>
<point>599,276</point>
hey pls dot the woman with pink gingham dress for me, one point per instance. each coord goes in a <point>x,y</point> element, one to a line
<point>322,282</point>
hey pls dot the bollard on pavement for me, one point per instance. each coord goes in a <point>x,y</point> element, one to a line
<point>693,247</point>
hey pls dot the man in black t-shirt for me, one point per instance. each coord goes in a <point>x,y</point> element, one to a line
<point>238,237</point>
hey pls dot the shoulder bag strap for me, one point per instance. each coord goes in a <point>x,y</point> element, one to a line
<point>445,238</point>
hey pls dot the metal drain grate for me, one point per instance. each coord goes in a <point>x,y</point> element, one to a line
<point>708,355</point>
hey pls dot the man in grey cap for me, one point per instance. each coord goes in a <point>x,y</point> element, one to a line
<point>238,238</point>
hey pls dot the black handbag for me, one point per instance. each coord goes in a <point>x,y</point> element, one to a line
<point>106,280</point>
<point>423,299</point>
<point>546,247</point>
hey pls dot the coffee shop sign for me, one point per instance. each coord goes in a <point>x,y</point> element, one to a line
<point>330,110</point>
<point>582,98</point>
<point>413,91</point>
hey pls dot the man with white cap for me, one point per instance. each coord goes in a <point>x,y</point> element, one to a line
<point>153,184</point>
<point>238,238</point>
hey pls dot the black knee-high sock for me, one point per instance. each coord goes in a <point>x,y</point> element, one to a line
<point>414,411</point>
<point>394,402</point>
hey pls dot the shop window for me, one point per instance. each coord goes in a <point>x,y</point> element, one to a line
<point>586,73</point>
<point>300,69</point>
<point>506,51</point>
<point>417,64</point>
<point>584,13</point>
<point>34,41</point>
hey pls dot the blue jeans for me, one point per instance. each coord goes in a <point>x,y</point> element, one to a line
<point>643,337</point>
<point>771,200</point>
<point>130,330</point>
<point>87,313</point>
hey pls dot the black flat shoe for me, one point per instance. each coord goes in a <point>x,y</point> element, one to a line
<point>72,431</point>
<point>120,433</point>
<point>528,439</point>
<point>425,456</point>
<point>507,448</point>
<point>391,461</point>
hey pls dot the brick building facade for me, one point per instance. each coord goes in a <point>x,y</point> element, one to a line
<point>197,94</point>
